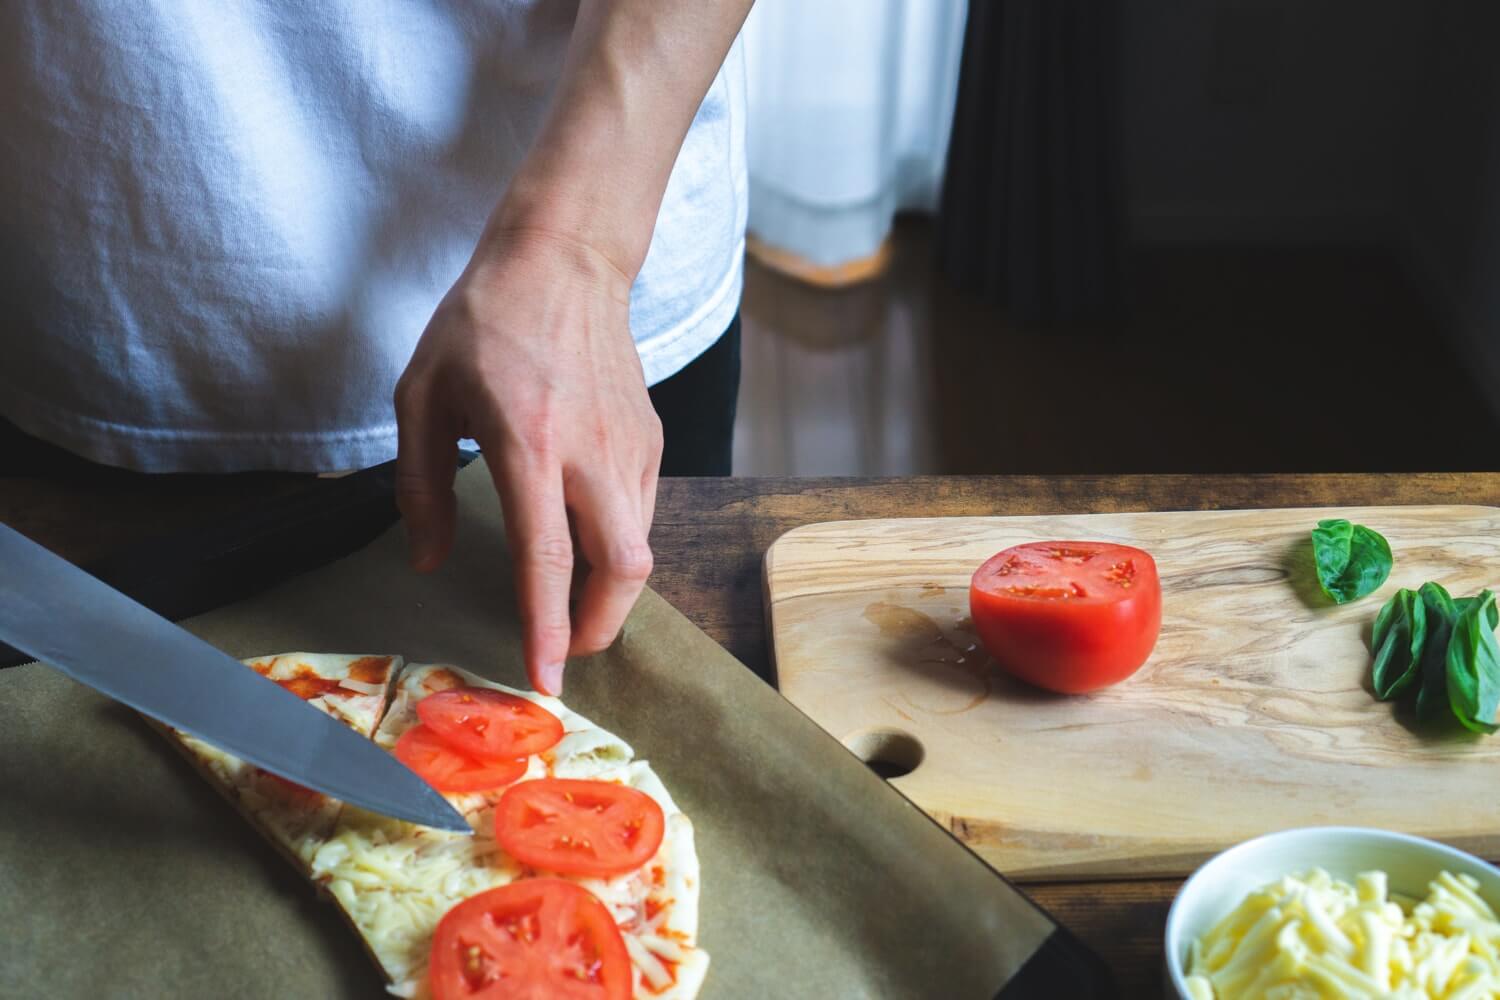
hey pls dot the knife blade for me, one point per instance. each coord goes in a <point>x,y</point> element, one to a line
<point>54,611</point>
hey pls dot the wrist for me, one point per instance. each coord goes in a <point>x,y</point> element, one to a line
<point>553,243</point>
<point>587,209</point>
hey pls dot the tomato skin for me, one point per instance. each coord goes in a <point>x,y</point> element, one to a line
<point>1067,644</point>
<point>532,939</point>
<point>579,827</point>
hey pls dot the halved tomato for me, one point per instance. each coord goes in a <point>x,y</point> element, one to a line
<point>536,938</point>
<point>489,724</point>
<point>448,770</point>
<point>579,827</point>
<point>1068,616</point>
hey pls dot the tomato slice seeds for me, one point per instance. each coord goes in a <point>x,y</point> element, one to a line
<point>489,724</point>
<point>450,770</point>
<point>539,937</point>
<point>579,827</point>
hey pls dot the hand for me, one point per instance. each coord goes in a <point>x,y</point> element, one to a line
<point>530,354</point>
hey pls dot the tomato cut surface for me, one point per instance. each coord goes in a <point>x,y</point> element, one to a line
<point>448,770</point>
<point>489,724</point>
<point>579,827</point>
<point>1068,616</point>
<point>535,939</point>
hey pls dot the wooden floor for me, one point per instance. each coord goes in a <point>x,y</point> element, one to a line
<point>1230,360</point>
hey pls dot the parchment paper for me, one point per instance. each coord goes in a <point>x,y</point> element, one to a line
<point>123,875</point>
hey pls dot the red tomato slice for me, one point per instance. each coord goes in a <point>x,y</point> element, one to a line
<point>291,788</point>
<point>491,725</point>
<point>578,827</point>
<point>1068,616</point>
<point>447,770</point>
<point>535,939</point>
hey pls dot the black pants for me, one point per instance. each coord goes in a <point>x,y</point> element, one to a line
<point>696,407</point>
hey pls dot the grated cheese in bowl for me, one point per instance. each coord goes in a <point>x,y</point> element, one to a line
<point>1310,935</point>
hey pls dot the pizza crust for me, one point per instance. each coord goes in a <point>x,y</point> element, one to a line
<point>228,793</point>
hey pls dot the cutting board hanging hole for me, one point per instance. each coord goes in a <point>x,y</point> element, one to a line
<point>890,753</point>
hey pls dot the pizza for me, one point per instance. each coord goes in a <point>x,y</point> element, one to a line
<point>294,819</point>
<point>580,880</point>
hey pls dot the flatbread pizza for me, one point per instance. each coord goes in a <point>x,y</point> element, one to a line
<point>296,820</point>
<point>580,880</point>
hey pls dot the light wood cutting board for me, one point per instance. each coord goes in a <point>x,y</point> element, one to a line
<point>1253,713</point>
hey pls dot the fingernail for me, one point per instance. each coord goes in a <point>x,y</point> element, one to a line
<point>549,678</point>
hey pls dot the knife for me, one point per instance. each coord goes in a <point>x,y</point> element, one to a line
<point>54,611</point>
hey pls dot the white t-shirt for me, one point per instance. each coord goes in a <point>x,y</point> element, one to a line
<point>225,223</point>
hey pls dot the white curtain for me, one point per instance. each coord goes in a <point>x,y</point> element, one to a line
<point>851,104</point>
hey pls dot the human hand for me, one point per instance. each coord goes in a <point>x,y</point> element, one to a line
<point>530,354</point>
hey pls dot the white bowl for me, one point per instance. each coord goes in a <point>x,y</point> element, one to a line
<point>1343,851</point>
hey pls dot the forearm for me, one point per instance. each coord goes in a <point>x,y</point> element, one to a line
<point>531,353</point>
<point>635,74</point>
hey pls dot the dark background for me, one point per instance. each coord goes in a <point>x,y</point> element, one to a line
<point>1311,260</point>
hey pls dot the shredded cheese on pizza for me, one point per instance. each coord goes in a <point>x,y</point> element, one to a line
<point>395,880</point>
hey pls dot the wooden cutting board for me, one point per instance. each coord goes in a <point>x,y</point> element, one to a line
<point>1253,714</point>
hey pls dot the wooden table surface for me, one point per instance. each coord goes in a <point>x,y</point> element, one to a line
<point>709,537</point>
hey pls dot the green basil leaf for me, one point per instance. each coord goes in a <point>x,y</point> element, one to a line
<point>1352,560</point>
<point>1432,697</point>
<point>1462,604</point>
<point>1400,632</point>
<point>1473,666</point>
